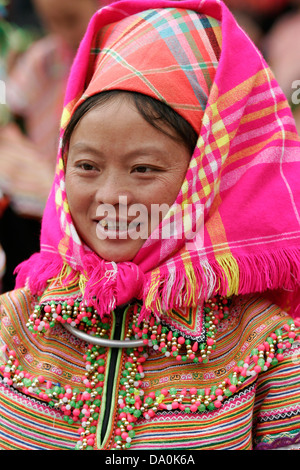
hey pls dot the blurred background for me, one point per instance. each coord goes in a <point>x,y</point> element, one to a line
<point>38,41</point>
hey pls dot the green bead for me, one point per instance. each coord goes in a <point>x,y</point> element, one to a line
<point>202,407</point>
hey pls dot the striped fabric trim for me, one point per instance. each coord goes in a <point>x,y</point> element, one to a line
<point>26,424</point>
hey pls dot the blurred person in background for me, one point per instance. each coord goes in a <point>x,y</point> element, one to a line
<point>257,16</point>
<point>282,50</point>
<point>35,85</point>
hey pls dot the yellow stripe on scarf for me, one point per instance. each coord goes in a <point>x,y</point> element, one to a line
<point>231,271</point>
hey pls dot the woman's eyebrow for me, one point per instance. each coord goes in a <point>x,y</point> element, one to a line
<point>142,150</point>
<point>86,146</point>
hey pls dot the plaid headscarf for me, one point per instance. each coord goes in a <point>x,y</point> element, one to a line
<point>243,173</point>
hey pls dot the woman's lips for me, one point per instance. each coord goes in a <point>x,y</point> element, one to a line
<point>117,229</point>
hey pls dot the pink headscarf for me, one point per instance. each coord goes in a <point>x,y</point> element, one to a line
<point>243,173</point>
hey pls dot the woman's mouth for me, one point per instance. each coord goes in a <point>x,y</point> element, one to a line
<point>118,229</point>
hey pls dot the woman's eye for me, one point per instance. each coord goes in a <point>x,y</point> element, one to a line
<point>142,169</point>
<point>86,167</point>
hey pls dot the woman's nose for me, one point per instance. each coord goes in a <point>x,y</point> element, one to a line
<point>113,189</point>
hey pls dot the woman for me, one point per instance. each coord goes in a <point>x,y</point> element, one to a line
<point>159,329</point>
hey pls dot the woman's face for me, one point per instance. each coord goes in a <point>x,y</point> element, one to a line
<point>120,169</point>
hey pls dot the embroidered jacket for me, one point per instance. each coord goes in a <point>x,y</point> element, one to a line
<point>220,403</point>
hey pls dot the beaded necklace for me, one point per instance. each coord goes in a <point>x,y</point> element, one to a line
<point>84,407</point>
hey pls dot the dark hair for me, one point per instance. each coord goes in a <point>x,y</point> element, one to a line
<point>155,112</point>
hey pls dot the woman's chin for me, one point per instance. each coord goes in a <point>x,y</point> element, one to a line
<point>117,250</point>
